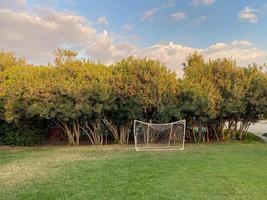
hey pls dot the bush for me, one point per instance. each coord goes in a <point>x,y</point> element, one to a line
<point>23,135</point>
<point>250,137</point>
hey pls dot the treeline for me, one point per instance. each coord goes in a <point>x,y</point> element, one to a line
<point>216,97</point>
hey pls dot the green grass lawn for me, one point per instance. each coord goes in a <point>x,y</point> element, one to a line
<point>203,171</point>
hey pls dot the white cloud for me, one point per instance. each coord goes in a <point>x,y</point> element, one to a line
<point>199,20</point>
<point>202,2</point>
<point>105,50</point>
<point>244,52</point>
<point>102,20</point>
<point>169,4</point>
<point>18,2</point>
<point>127,27</point>
<point>15,4</point>
<point>149,15</point>
<point>178,16</point>
<point>173,55</point>
<point>249,15</point>
<point>34,33</point>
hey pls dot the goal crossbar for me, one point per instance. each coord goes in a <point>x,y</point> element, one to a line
<point>158,137</point>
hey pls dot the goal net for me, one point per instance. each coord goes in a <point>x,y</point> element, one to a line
<point>148,136</point>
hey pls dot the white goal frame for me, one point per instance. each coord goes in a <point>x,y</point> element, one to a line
<point>167,146</point>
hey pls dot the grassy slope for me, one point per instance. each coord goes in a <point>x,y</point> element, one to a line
<point>202,171</point>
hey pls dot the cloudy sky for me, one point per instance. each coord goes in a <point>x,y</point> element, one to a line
<point>108,30</point>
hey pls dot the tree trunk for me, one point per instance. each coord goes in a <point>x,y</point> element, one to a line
<point>207,132</point>
<point>68,130</point>
<point>92,131</point>
<point>76,132</point>
<point>195,140</point>
<point>124,133</point>
<point>243,128</point>
<point>113,129</point>
<point>215,129</point>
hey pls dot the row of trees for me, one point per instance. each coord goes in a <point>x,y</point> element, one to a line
<point>93,99</point>
<point>222,97</point>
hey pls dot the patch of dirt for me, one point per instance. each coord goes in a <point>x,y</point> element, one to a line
<point>19,171</point>
<point>42,164</point>
<point>13,149</point>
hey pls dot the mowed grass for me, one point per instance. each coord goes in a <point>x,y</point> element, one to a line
<point>203,171</point>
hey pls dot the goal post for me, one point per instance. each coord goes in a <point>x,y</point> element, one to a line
<point>149,136</point>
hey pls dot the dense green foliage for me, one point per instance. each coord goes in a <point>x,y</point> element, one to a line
<point>95,100</point>
<point>22,135</point>
<point>234,170</point>
<point>218,95</point>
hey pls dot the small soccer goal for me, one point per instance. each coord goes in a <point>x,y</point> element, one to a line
<point>149,136</point>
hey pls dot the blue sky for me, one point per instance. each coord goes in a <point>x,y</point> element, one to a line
<point>202,26</point>
<point>108,30</point>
